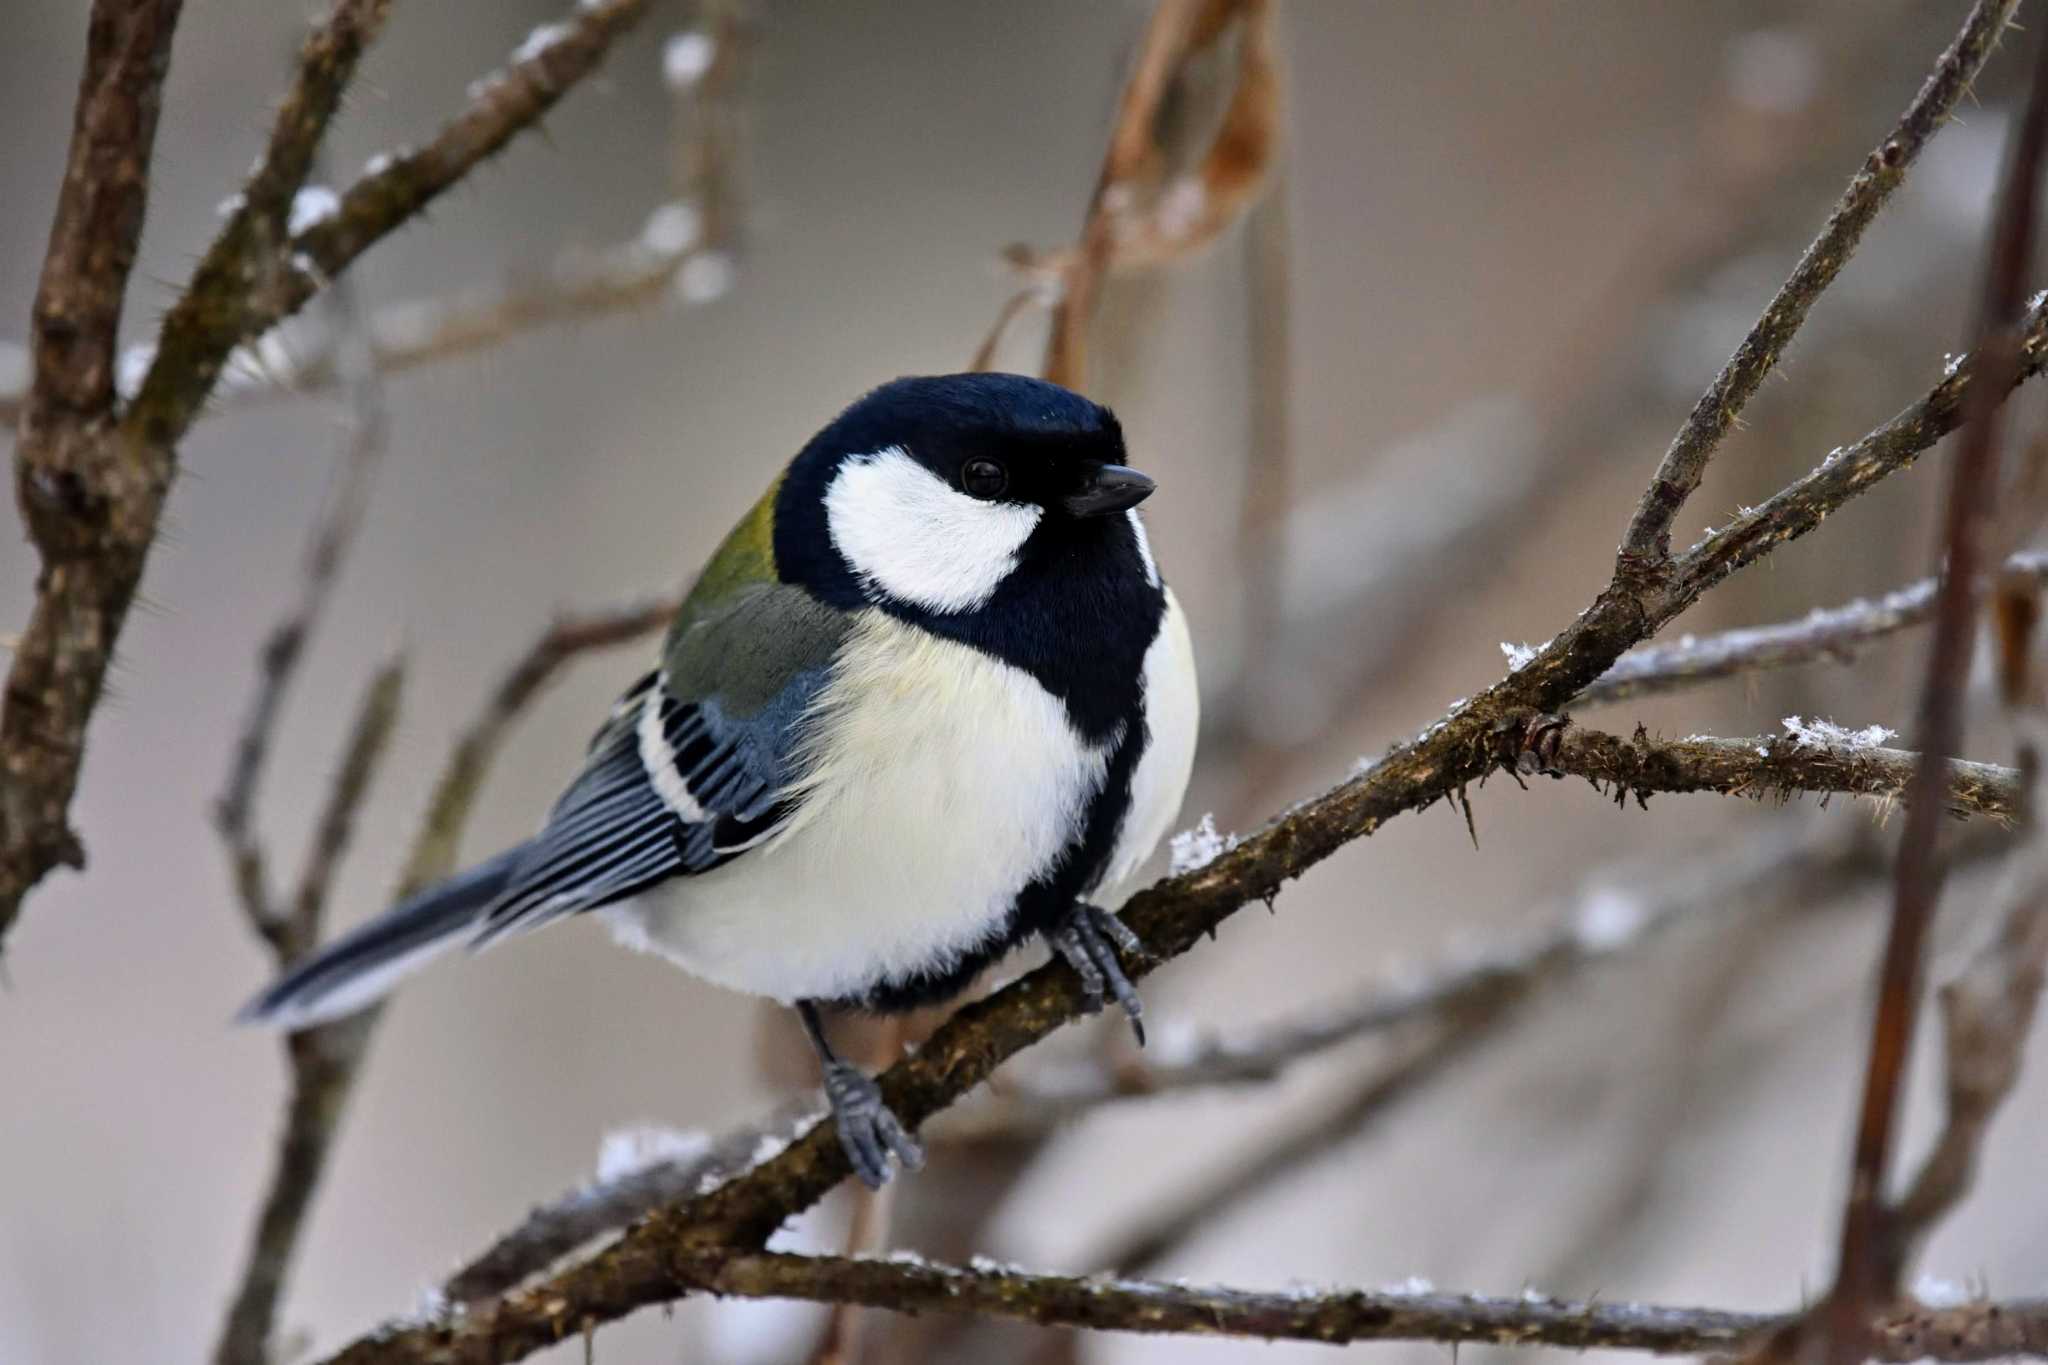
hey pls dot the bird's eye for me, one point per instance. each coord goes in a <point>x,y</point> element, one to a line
<point>984,479</point>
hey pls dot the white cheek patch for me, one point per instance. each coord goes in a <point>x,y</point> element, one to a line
<point>907,532</point>
<point>1144,547</point>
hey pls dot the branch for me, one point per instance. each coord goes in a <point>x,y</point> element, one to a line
<point>1142,218</point>
<point>333,536</point>
<point>1987,1014</point>
<point>684,253</point>
<point>93,494</point>
<point>326,1058</point>
<point>1835,634</point>
<point>909,1285</point>
<point>98,222</point>
<point>1372,556</point>
<point>1160,52</point>
<point>1869,1265</point>
<point>1648,539</point>
<point>1589,929</point>
<point>84,499</point>
<point>553,1230</point>
<point>1769,766</point>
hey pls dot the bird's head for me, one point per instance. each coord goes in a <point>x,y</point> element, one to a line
<point>931,494</point>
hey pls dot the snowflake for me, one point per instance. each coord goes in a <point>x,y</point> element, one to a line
<point>1194,849</point>
<point>1825,734</point>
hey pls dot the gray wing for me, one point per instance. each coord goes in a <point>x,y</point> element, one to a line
<point>693,766</point>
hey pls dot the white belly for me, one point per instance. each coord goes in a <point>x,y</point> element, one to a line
<point>939,782</point>
<point>1172,717</point>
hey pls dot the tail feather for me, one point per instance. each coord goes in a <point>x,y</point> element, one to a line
<point>358,968</point>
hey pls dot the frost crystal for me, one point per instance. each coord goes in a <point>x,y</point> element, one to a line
<point>230,206</point>
<point>1825,734</point>
<point>1194,849</point>
<point>312,204</point>
<point>629,1151</point>
<point>989,1265</point>
<point>1939,1293</point>
<point>685,57</point>
<point>1518,656</point>
<point>380,163</point>
<point>1181,208</point>
<point>539,41</point>
<point>671,229</point>
<point>431,1306</point>
<point>1608,920</point>
<point>133,368</point>
<point>1409,1287</point>
<point>705,277</point>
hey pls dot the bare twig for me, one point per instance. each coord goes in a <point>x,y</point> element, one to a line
<point>1986,1015</point>
<point>326,1058</point>
<point>1974,1332</point>
<point>1648,539</point>
<point>1774,766</point>
<point>1442,1022</point>
<point>1869,1267</point>
<point>553,1230</point>
<point>1583,931</point>
<point>1826,633</point>
<point>334,533</point>
<point>1374,555</point>
<point>1146,215</point>
<point>685,252</point>
<point>1159,52</point>
<point>89,505</point>
<point>93,489</point>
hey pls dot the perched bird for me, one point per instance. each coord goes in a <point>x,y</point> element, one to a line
<point>928,700</point>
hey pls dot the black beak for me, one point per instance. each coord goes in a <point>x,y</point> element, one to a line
<point>1109,488</point>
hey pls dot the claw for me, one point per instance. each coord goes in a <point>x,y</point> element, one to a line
<point>868,1131</point>
<point>1084,939</point>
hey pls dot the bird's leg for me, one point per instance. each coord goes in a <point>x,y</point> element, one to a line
<point>1087,936</point>
<point>867,1129</point>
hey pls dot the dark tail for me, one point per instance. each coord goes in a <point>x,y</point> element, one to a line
<point>356,969</point>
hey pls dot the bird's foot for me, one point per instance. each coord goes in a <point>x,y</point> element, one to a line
<point>1087,937</point>
<point>867,1129</point>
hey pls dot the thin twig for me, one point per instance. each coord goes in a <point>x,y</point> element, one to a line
<point>1971,1333</point>
<point>93,492</point>
<point>1159,52</point>
<point>1373,555</point>
<point>325,1059</point>
<point>553,1230</point>
<point>1834,634</point>
<point>1648,539</point>
<point>1776,766</point>
<point>685,254</point>
<point>1870,1263</point>
<point>89,505</point>
<point>1987,1013</point>
<point>1584,931</point>
<point>366,426</point>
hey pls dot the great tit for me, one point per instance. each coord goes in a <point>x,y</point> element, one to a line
<point>928,700</point>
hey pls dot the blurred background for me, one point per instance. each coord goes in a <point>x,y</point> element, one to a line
<point>1509,246</point>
